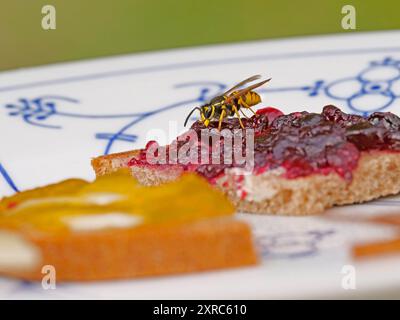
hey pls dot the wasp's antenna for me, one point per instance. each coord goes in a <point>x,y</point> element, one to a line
<point>190,113</point>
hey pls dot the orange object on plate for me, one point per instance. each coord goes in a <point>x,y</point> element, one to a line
<point>115,228</point>
<point>378,248</point>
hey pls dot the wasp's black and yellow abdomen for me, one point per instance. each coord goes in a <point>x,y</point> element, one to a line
<point>250,99</point>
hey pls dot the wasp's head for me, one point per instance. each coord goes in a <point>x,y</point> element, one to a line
<point>207,113</point>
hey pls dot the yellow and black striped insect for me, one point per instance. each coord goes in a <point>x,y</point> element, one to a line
<point>229,103</point>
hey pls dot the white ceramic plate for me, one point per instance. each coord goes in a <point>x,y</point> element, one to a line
<point>53,119</point>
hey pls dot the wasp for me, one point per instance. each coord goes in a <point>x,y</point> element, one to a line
<point>229,103</point>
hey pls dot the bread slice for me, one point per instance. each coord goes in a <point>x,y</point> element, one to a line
<point>128,253</point>
<point>377,175</point>
<point>114,228</point>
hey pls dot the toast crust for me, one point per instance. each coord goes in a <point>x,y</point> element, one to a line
<point>112,162</point>
<point>148,250</point>
<point>377,175</point>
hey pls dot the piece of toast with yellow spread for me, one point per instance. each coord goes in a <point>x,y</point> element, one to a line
<point>115,228</point>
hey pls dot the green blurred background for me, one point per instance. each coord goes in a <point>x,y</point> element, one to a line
<point>91,28</point>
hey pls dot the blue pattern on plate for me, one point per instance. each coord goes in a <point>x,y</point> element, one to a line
<point>292,245</point>
<point>7,178</point>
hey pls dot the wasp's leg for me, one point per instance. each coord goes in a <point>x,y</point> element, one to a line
<point>244,104</point>
<point>221,117</point>
<point>238,115</point>
<point>205,121</point>
<point>252,110</point>
<point>243,114</point>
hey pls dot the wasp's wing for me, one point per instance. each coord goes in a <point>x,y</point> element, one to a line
<point>245,90</point>
<point>242,83</point>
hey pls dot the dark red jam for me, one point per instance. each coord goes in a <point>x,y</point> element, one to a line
<point>302,143</point>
